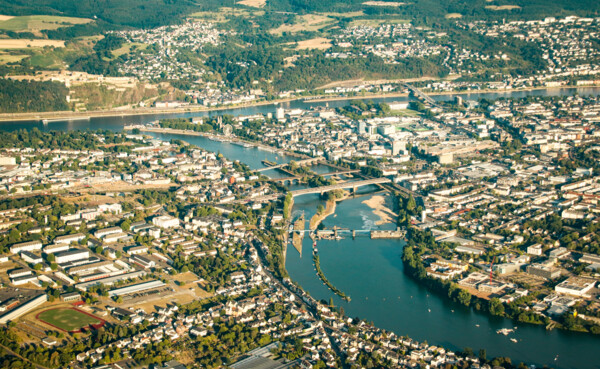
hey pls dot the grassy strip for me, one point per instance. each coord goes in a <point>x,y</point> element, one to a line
<point>326,281</point>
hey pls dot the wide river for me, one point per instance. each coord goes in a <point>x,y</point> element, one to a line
<point>371,271</point>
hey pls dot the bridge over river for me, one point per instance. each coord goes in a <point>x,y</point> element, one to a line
<point>293,179</point>
<point>335,233</point>
<point>419,94</point>
<point>303,162</point>
<point>351,184</point>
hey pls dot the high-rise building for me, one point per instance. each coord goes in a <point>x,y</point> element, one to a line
<point>398,146</point>
<point>280,113</point>
<point>371,129</point>
<point>362,126</point>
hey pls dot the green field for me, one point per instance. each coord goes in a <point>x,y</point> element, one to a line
<point>126,48</point>
<point>7,58</point>
<point>67,319</point>
<point>405,113</point>
<point>39,22</point>
<point>376,22</point>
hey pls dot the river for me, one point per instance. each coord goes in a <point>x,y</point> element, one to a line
<point>371,271</point>
<point>117,123</point>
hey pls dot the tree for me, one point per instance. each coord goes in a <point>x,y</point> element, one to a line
<point>496,307</point>
<point>411,204</point>
<point>126,225</point>
<point>286,205</point>
<point>464,297</point>
<point>482,355</point>
<point>468,352</point>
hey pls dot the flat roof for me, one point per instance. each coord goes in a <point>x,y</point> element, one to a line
<point>136,288</point>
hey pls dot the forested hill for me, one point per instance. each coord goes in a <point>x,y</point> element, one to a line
<point>438,9</point>
<point>152,13</point>
<point>134,13</point>
<point>31,96</point>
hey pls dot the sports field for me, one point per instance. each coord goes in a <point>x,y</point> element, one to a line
<point>68,319</point>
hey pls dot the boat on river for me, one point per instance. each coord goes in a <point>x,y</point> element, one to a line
<point>70,119</point>
<point>505,331</point>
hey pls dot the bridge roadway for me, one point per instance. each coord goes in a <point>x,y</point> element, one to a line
<point>338,186</point>
<point>420,94</point>
<point>302,162</point>
<point>331,230</point>
<point>323,189</point>
<point>295,178</point>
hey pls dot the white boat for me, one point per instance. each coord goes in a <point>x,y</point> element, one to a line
<point>505,331</point>
<point>70,119</point>
<point>514,340</point>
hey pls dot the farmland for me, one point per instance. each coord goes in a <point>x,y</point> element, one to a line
<point>32,23</point>
<point>24,43</point>
<point>308,22</point>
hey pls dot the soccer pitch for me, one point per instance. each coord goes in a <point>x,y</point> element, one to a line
<point>68,319</point>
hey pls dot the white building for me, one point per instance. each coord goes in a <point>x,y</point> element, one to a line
<point>112,208</point>
<point>106,231</point>
<point>535,249</point>
<point>26,246</point>
<point>72,255</point>
<point>165,221</point>
<point>23,309</point>
<point>70,238</point>
<point>52,249</point>
<point>575,286</point>
<point>31,258</point>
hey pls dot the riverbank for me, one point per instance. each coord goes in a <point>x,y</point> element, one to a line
<point>444,93</point>
<point>70,115</point>
<point>333,288</point>
<point>232,139</point>
<point>380,208</point>
<point>297,237</point>
<point>415,268</point>
<point>329,210</point>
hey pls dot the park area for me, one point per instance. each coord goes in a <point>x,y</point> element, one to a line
<point>69,319</point>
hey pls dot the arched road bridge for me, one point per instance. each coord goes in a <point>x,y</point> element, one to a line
<point>303,162</point>
<point>351,184</point>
